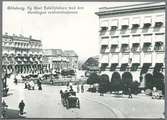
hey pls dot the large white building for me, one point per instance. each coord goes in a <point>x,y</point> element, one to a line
<point>58,60</point>
<point>132,38</point>
<point>21,54</point>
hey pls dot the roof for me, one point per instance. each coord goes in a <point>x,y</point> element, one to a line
<point>131,8</point>
<point>53,52</point>
<point>70,53</point>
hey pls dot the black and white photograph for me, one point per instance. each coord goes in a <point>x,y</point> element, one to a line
<point>76,59</point>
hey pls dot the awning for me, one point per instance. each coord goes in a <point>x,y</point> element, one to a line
<point>103,66</point>
<point>147,64</point>
<point>146,45</point>
<point>114,47</point>
<point>135,66</point>
<point>124,48</point>
<point>124,66</point>
<point>113,66</point>
<point>158,65</point>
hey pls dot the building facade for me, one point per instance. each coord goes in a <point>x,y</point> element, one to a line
<point>57,60</point>
<point>72,58</point>
<point>132,39</point>
<point>21,54</point>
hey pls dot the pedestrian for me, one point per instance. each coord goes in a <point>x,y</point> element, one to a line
<point>71,89</point>
<point>15,81</point>
<point>4,109</point>
<point>21,107</point>
<point>26,85</point>
<point>82,88</point>
<point>77,88</point>
<point>39,86</point>
<point>129,92</point>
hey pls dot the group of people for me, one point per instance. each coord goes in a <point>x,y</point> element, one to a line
<point>78,88</point>
<point>5,106</point>
<point>30,85</point>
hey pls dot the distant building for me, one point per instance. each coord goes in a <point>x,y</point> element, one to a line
<point>21,54</point>
<point>72,58</point>
<point>91,63</point>
<point>132,41</point>
<point>57,60</point>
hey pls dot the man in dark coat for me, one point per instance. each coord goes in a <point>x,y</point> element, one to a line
<point>82,88</point>
<point>21,107</point>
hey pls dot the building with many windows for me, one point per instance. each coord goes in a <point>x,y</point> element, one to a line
<point>132,40</point>
<point>57,60</point>
<point>21,54</point>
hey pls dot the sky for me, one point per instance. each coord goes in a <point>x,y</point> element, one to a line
<point>78,32</point>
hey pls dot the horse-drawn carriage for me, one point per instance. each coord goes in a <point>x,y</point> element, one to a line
<point>69,99</point>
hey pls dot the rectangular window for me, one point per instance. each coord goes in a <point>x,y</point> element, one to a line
<point>134,66</point>
<point>147,47</point>
<point>103,66</point>
<point>158,46</point>
<point>135,47</point>
<point>103,48</point>
<point>114,47</point>
<point>124,67</point>
<point>113,66</point>
<point>125,48</point>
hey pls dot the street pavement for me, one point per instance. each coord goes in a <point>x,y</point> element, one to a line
<point>47,104</point>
